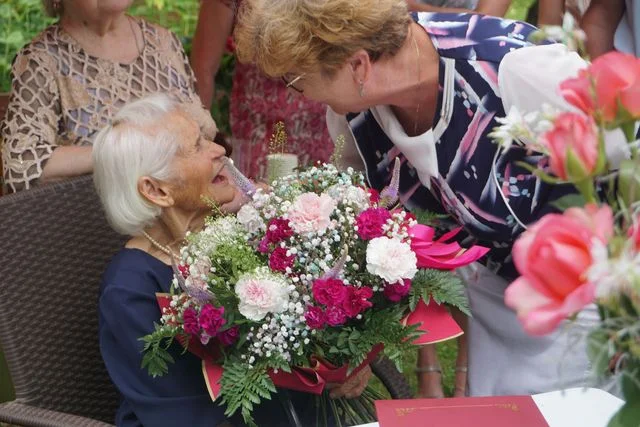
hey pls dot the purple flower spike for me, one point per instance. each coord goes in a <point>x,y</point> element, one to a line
<point>389,195</point>
<point>337,268</point>
<point>242,182</point>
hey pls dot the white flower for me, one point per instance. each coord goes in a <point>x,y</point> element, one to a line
<point>613,276</point>
<point>261,293</point>
<point>391,259</point>
<point>249,217</point>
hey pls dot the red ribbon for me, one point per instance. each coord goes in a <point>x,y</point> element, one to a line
<point>441,255</point>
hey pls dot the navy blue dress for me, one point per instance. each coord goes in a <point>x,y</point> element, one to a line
<point>128,310</point>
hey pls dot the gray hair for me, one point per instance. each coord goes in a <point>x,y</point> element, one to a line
<point>128,149</point>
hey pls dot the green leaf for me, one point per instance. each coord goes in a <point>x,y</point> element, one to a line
<point>428,218</point>
<point>627,416</point>
<point>629,181</point>
<point>598,351</point>
<point>443,286</point>
<point>568,201</point>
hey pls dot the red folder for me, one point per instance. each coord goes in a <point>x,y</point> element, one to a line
<point>502,411</point>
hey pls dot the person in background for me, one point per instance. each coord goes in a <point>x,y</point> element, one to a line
<point>567,13</point>
<point>154,171</point>
<point>257,102</point>
<point>485,7</point>
<point>72,78</point>
<point>612,24</point>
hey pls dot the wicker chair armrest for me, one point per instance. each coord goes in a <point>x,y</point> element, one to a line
<point>32,416</point>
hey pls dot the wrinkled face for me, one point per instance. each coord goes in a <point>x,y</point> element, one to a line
<point>198,166</point>
<point>94,9</point>
<point>339,91</point>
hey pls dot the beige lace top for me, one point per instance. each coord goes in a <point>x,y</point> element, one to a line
<point>62,96</point>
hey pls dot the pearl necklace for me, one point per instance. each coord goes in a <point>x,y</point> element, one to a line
<point>164,249</point>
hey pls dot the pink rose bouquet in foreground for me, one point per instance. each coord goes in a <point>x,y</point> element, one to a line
<point>315,276</point>
<point>589,253</point>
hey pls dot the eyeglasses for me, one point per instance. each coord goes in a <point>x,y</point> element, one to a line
<point>290,84</point>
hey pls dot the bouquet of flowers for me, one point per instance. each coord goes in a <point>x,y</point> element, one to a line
<point>304,287</point>
<point>590,252</point>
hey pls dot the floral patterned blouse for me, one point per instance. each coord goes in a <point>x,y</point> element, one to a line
<point>62,96</point>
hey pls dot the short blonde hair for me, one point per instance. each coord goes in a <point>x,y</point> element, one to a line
<point>281,36</point>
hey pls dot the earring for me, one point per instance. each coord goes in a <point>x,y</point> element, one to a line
<point>361,89</point>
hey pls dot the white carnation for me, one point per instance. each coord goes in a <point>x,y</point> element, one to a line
<point>261,293</point>
<point>249,217</point>
<point>391,259</point>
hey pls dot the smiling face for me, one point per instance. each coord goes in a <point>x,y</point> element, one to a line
<point>198,167</point>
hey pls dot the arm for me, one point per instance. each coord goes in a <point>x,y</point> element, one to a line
<point>600,22</point>
<point>550,12</point>
<point>30,152</point>
<point>215,21</point>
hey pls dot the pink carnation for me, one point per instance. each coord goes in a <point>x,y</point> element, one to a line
<point>229,336</point>
<point>211,319</point>
<point>279,261</point>
<point>396,291</point>
<point>330,292</point>
<point>315,318</point>
<point>311,213</point>
<point>190,321</point>
<point>370,223</point>
<point>335,316</point>
<point>357,300</point>
<point>278,230</point>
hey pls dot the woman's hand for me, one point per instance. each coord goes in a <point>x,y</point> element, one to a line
<point>353,387</point>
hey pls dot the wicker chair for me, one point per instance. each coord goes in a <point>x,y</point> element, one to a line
<point>56,243</point>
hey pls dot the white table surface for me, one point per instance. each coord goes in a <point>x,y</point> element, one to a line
<point>576,407</point>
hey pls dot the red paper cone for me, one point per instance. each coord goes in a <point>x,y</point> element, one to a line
<point>435,321</point>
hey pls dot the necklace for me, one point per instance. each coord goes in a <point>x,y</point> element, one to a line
<point>415,123</point>
<point>154,242</point>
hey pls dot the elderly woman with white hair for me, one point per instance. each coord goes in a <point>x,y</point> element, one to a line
<point>154,172</point>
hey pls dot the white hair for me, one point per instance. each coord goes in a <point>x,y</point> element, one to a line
<point>128,149</point>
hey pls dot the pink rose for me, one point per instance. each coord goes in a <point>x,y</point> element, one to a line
<point>335,316</point>
<point>311,213</point>
<point>396,291</point>
<point>371,221</point>
<point>229,336</point>
<point>552,257</point>
<point>190,322</point>
<point>614,79</point>
<point>357,300</point>
<point>315,318</point>
<point>211,319</point>
<point>329,292</point>
<point>279,261</point>
<point>576,134</point>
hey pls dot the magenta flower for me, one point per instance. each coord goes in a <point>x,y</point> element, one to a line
<point>229,336</point>
<point>190,321</point>
<point>278,230</point>
<point>335,316</point>
<point>315,317</point>
<point>396,291</point>
<point>371,221</point>
<point>330,292</point>
<point>279,260</point>
<point>211,319</point>
<point>357,300</point>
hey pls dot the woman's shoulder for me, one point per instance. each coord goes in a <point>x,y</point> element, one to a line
<point>42,51</point>
<point>134,265</point>
<point>158,36</point>
<point>474,37</point>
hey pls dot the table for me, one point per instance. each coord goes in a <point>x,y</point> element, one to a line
<point>579,407</point>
